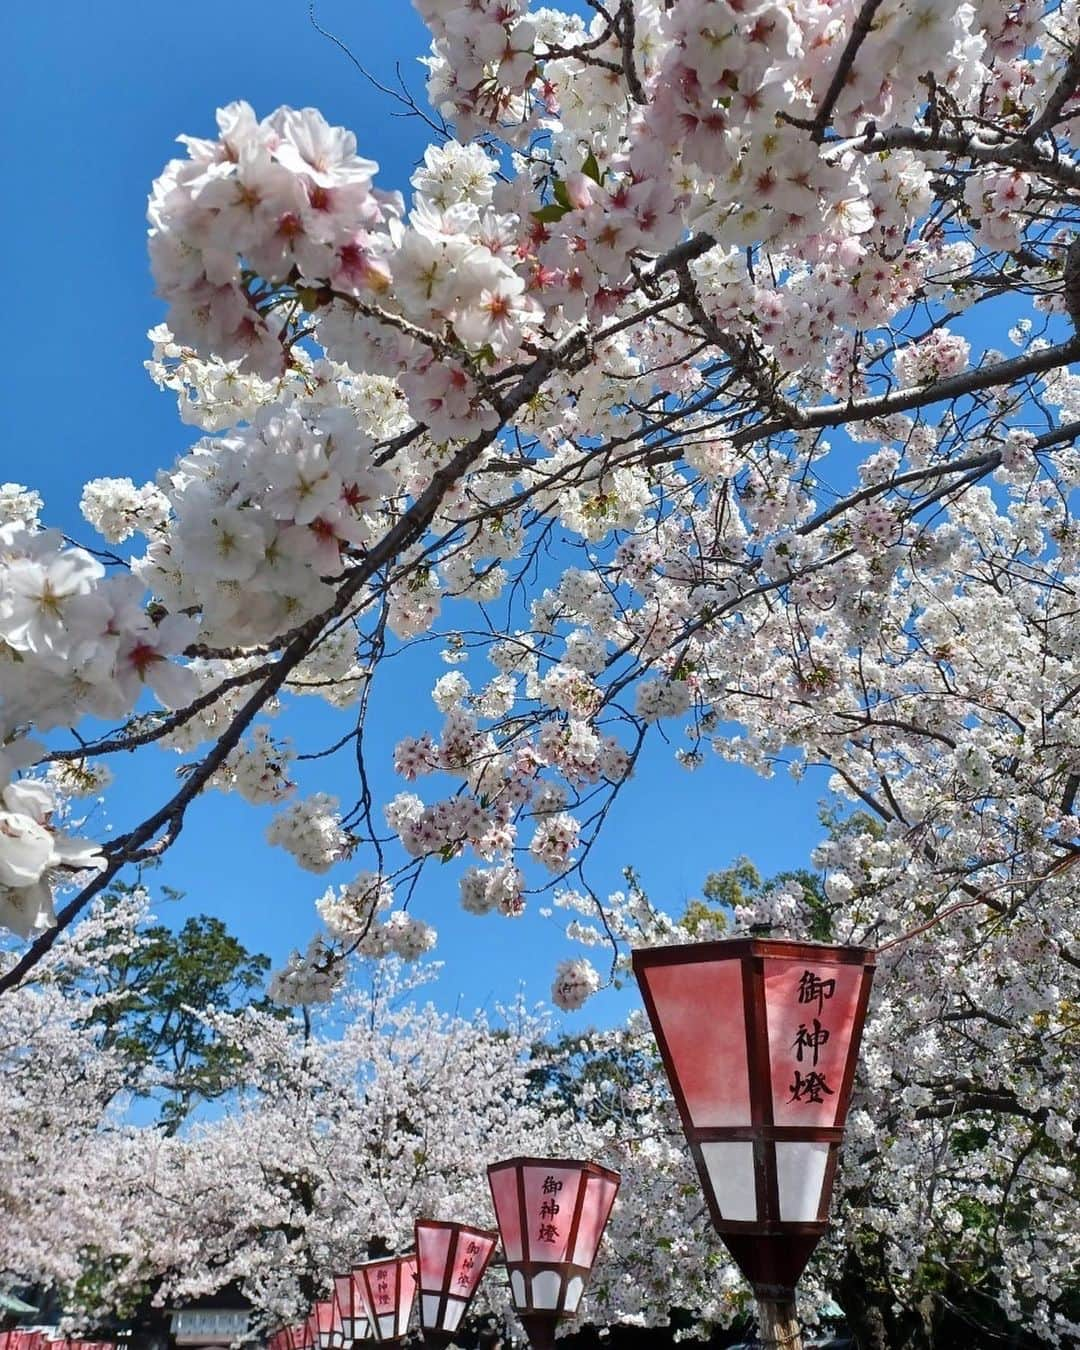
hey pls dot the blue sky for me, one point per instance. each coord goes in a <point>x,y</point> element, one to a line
<point>101,92</point>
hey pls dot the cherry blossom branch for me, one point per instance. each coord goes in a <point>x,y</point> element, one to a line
<point>860,31</point>
<point>986,462</point>
<point>832,415</point>
<point>1063,91</point>
<point>406,531</point>
<point>981,899</point>
<point>439,127</point>
<point>737,353</point>
<point>920,396</point>
<point>164,727</point>
<point>626,31</point>
<point>991,148</point>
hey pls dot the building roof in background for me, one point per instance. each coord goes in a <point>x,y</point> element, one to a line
<point>10,1304</point>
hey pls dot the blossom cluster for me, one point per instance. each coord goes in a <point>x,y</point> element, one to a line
<point>74,642</point>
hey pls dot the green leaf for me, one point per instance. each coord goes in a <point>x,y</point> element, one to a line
<point>548,215</point>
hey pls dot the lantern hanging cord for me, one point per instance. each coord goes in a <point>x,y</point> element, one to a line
<point>981,899</point>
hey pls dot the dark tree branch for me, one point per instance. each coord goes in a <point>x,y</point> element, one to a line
<point>860,31</point>
<point>1065,89</point>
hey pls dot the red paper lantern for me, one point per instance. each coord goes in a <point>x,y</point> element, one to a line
<point>387,1288</point>
<point>299,1335</point>
<point>26,1340</point>
<point>451,1259</point>
<point>551,1214</point>
<point>350,1312</point>
<point>760,1039</point>
<point>36,1340</point>
<point>327,1325</point>
<point>282,1339</point>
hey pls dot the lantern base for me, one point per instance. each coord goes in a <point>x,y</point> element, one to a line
<point>440,1340</point>
<point>773,1262</point>
<point>540,1329</point>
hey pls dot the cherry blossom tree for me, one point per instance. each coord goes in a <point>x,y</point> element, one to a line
<point>664,256</point>
<point>757,319</point>
<point>59,1095</point>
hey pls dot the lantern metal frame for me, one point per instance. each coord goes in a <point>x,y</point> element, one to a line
<point>539,1322</point>
<point>437,1335</point>
<point>772,1252</point>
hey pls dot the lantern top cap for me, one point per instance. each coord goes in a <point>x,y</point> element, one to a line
<point>464,1227</point>
<point>728,948</point>
<point>580,1164</point>
<point>385,1260</point>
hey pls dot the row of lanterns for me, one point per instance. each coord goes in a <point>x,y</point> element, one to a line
<point>38,1340</point>
<point>760,1041</point>
<point>759,1038</point>
<point>551,1213</point>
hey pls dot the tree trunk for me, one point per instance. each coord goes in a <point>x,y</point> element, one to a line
<point>864,1293</point>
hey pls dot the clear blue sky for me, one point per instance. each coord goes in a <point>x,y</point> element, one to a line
<point>99,93</point>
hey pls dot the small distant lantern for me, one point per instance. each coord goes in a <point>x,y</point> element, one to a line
<point>451,1259</point>
<point>301,1335</point>
<point>387,1288</point>
<point>760,1039</point>
<point>287,1338</point>
<point>327,1325</point>
<point>349,1305</point>
<point>551,1213</point>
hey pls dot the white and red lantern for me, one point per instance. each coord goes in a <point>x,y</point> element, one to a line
<point>451,1259</point>
<point>301,1335</point>
<point>760,1039</point>
<point>288,1338</point>
<point>327,1325</point>
<point>36,1340</point>
<point>551,1213</point>
<point>349,1309</point>
<point>387,1288</point>
<point>20,1339</point>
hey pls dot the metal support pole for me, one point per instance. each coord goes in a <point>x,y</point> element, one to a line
<point>778,1325</point>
